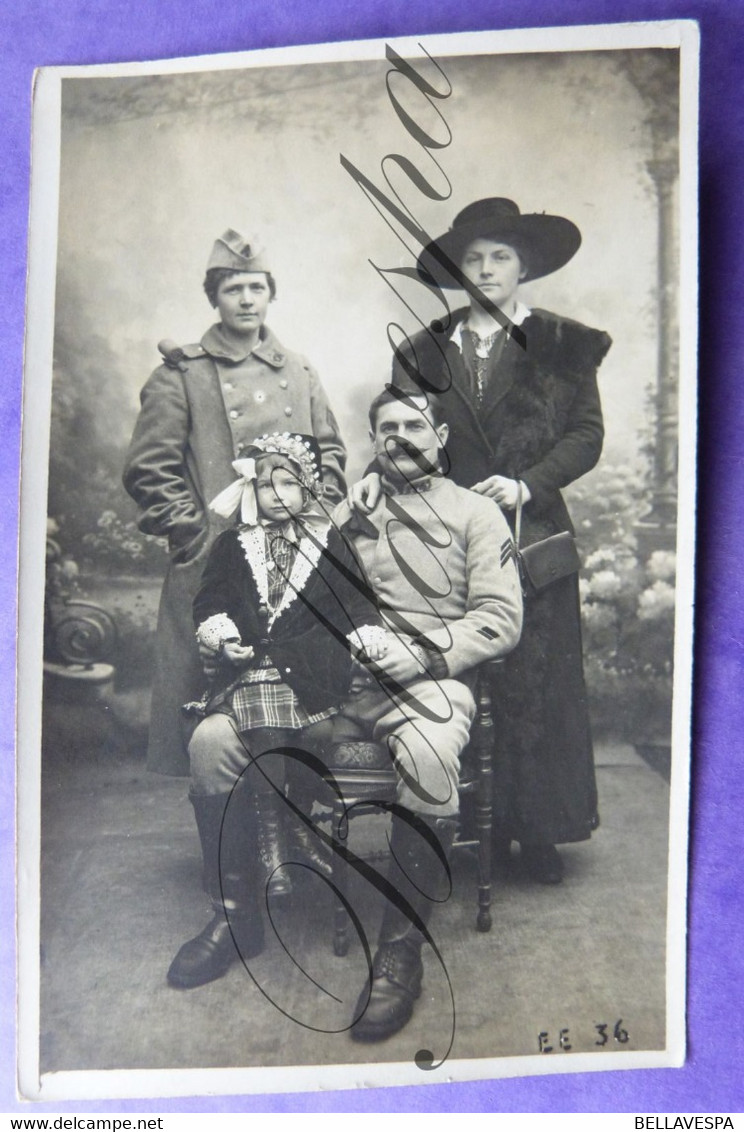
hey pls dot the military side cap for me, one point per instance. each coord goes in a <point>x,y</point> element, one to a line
<point>237,253</point>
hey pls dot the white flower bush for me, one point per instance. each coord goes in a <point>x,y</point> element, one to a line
<point>605,585</point>
<point>662,565</point>
<point>656,602</point>
<point>627,606</point>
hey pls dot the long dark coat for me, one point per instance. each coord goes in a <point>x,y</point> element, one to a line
<point>541,422</point>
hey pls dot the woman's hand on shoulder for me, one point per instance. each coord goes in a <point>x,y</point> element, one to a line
<point>365,493</point>
<point>502,490</point>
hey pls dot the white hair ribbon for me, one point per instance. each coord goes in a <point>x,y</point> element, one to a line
<point>241,494</point>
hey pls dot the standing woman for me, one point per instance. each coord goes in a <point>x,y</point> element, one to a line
<point>520,394</point>
<point>200,409</point>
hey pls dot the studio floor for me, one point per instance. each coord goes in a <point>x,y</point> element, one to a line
<point>121,891</point>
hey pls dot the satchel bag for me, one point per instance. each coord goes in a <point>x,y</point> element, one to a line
<point>546,561</point>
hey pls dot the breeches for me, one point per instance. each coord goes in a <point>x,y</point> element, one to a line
<point>219,754</point>
<point>425,735</point>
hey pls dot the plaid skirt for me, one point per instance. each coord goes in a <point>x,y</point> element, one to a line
<point>259,698</point>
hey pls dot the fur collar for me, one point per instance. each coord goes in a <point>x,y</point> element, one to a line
<point>565,348</point>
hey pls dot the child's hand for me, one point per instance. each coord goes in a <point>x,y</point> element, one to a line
<point>401,662</point>
<point>370,643</point>
<point>237,653</point>
<point>376,649</point>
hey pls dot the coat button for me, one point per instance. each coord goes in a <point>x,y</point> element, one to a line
<point>287,669</point>
<point>228,386</point>
<point>288,411</point>
<point>283,383</point>
<point>234,414</point>
<point>259,396</point>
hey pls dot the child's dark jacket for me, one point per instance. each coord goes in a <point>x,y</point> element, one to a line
<point>327,597</point>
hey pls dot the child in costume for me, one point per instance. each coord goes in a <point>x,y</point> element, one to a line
<point>282,609</point>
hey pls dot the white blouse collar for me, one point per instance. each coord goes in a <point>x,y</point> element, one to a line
<point>521,312</point>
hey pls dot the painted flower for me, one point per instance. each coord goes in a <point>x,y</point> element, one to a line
<point>605,585</point>
<point>605,556</point>
<point>662,565</point>
<point>656,602</point>
<point>598,616</point>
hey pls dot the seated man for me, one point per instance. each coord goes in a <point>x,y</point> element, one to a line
<point>441,562</point>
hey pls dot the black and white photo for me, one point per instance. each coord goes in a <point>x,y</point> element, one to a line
<point>356,564</point>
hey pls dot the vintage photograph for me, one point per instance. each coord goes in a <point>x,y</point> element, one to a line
<point>356,565</point>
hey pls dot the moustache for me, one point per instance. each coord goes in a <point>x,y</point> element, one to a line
<point>400,446</point>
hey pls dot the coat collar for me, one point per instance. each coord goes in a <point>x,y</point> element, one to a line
<point>268,348</point>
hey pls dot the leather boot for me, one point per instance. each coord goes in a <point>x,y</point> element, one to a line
<point>309,848</point>
<point>235,931</point>
<point>272,844</point>
<point>397,969</point>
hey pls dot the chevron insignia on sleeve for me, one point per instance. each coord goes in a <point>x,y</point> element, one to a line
<point>508,551</point>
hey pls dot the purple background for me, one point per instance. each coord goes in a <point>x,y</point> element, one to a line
<point>45,32</point>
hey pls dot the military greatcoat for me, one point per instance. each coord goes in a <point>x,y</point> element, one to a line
<point>540,422</point>
<point>198,411</point>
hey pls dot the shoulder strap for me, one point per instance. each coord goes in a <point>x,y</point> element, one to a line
<point>177,356</point>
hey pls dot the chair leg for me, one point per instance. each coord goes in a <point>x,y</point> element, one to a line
<point>339,876</point>
<point>484,749</point>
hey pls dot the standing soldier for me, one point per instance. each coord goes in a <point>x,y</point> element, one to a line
<point>200,408</point>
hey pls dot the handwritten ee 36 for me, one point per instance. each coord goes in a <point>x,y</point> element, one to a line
<point>604,1036</point>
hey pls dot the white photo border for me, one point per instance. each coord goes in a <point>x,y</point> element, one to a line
<point>86,1085</point>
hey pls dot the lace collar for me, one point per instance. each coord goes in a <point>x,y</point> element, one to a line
<point>309,550</point>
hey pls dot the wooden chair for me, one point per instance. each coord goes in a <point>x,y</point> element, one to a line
<point>363,772</point>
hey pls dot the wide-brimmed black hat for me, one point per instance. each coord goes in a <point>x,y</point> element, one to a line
<point>546,242</point>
